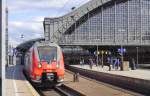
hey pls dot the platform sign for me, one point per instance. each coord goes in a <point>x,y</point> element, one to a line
<point>121,50</point>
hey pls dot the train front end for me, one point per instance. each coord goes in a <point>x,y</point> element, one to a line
<point>48,64</point>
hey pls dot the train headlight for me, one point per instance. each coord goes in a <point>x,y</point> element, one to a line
<point>57,65</point>
<point>39,65</point>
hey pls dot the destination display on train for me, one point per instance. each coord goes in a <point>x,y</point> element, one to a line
<point>47,53</point>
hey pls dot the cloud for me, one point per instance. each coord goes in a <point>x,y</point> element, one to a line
<point>30,30</point>
<point>14,42</point>
<point>39,18</point>
<point>26,16</point>
<point>26,26</point>
<point>35,4</point>
<point>49,6</point>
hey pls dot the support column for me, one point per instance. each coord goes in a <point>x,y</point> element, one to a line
<point>115,24</point>
<point>128,22</point>
<point>102,25</point>
<point>88,27</point>
<point>140,21</point>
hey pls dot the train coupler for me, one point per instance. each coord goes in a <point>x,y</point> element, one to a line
<point>48,77</point>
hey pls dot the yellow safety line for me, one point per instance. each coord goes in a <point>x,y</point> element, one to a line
<point>32,90</point>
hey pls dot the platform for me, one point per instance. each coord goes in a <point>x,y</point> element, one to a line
<point>135,80</point>
<point>16,84</point>
<point>89,87</point>
<point>139,73</point>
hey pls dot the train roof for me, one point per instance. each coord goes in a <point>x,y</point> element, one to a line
<point>44,43</point>
<point>23,47</point>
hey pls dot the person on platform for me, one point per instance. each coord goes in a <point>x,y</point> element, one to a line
<point>81,61</point>
<point>91,63</point>
<point>109,63</point>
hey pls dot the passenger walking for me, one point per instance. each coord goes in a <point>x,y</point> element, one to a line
<point>115,63</point>
<point>118,63</point>
<point>81,62</point>
<point>99,61</point>
<point>109,63</point>
<point>91,63</point>
<point>133,67</point>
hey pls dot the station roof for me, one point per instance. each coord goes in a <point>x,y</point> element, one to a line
<point>72,17</point>
<point>26,45</point>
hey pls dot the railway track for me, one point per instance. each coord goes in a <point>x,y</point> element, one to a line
<point>58,91</point>
<point>54,91</point>
<point>110,80</point>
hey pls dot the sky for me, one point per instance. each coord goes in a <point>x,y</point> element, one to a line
<point>26,16</point>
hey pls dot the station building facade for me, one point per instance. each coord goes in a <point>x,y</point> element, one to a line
<point>113,22</point>
<point>103,23</point>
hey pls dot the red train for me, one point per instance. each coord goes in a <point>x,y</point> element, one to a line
<point>44,63</point>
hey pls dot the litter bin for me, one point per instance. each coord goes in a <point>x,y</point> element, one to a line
<point>125,66</point>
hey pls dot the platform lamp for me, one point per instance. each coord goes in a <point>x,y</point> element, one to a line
<point>22,36</point>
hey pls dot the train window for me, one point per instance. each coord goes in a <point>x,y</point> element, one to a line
<point>47,53</point>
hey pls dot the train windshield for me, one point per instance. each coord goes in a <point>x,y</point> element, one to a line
<point>47,53</point>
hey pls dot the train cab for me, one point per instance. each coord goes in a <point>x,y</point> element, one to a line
<point>44,63</point>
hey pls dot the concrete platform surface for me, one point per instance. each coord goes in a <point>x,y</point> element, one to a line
<point>139,74</point>
<point>16,84</point>
<point>93,88</point>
